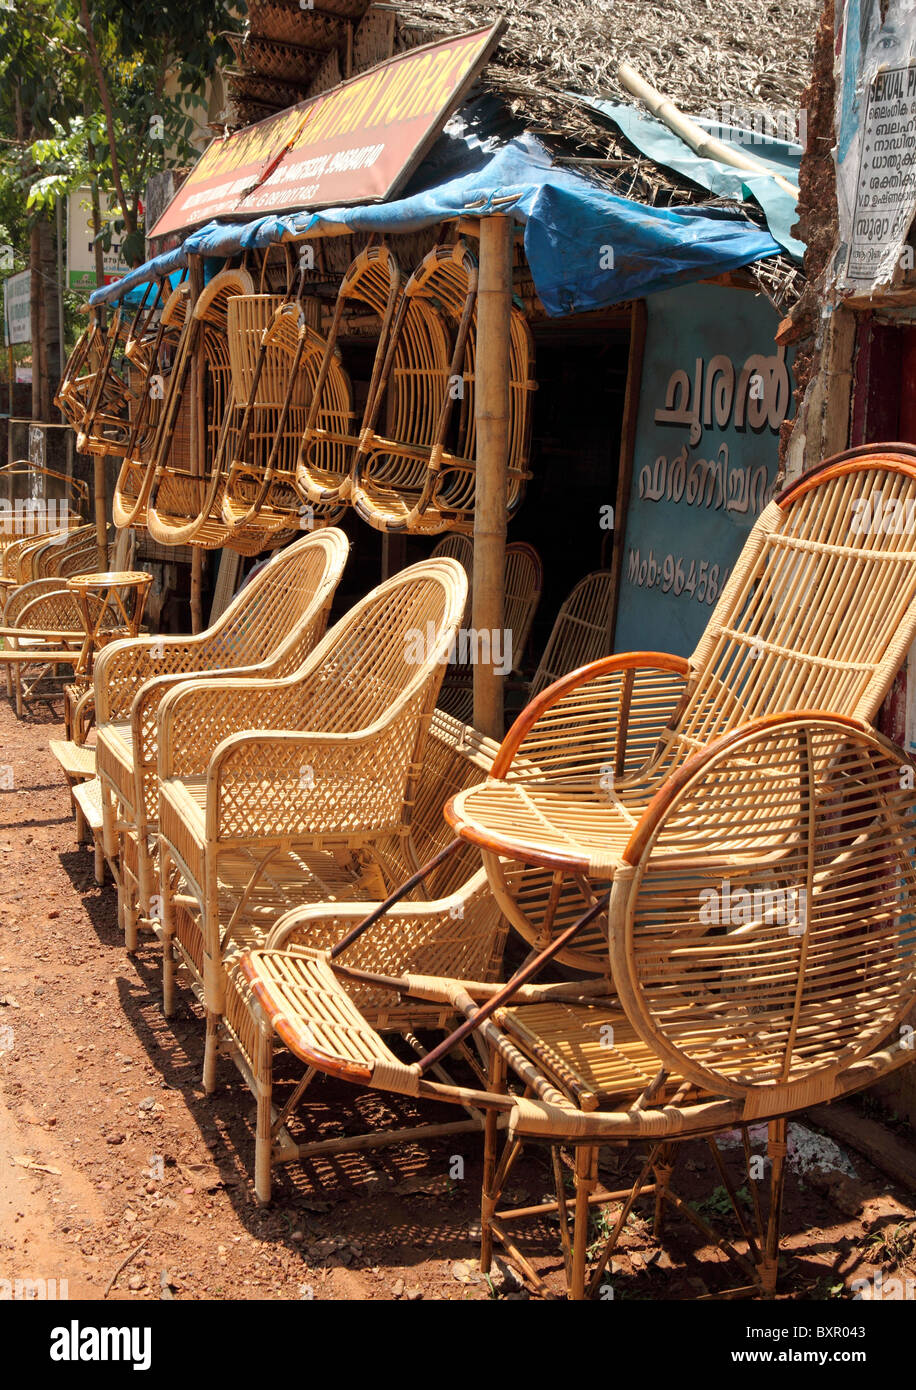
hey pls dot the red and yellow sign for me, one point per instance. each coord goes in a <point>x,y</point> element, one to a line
<point>354,144</point>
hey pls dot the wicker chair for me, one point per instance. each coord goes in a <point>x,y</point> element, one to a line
<point>581,633</point>
<point>330,776</point>
<point>276,368</point>
<point>455,929</point>
<point>104,429</point>
<point>267,630</point>
<point>325,462</point>
<point>416,471</point>
<point>665,793</point>
<point>183,505</point>
<point>524,577</point>
<point>150,359</point>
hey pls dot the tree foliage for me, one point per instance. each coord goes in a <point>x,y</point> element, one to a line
<point>100,92</point>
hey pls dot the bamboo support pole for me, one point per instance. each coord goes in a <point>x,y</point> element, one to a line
<point>702,143</point>
<point>100,499</point>
<point>494,305</point>
<point>198,440</point>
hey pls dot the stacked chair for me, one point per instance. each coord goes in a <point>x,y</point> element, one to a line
<point>151,356</point>
<point>655,794</point>
<point>266,631</point>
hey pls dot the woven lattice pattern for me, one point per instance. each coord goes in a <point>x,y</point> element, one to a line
<point>772,922</point>
<point>268,629</point>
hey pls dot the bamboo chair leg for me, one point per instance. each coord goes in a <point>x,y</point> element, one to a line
<point>497,1082</point>
<point>168,931</point>
<point>211,1052</point>
<point>131,915</point>
<point>586,1181</point>
<point>264,1134</point>
<point>776,1147</point>
<point>663,1170</point>
<point>109,823</point>
<point>98,860</point>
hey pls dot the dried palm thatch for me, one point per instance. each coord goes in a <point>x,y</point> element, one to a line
<point>730,62</point>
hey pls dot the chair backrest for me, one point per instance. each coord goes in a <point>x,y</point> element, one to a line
<point>820,609</point>
<point>818,614</point>
<point>581,632</point>
<point>765,941</point>
<point>264,617</point>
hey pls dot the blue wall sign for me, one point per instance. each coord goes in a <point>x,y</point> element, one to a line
<point>715,390</point>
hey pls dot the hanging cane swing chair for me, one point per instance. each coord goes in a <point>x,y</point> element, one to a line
<point>414,468</point>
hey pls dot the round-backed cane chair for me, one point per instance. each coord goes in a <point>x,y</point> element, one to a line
<point>327,448</point>
<point>415,469</point>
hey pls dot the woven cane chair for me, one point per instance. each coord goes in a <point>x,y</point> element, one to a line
<point>282,393</point>
<point>180,507</point>
<point>331,773</point>
<point>522,584</point>
<point>104,429</point>
<point>581,633</point>
<point>267,630</point>
<point>595,749</point>
<point>455,928</point>
<point>151,358</point>
<point>325,461</point>
<point>415,471</point>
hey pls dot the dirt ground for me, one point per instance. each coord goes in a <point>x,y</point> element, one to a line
<point>119,1176</point>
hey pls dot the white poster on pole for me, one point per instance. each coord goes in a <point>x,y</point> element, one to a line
<point>17,310</point>
<point>80,249</point>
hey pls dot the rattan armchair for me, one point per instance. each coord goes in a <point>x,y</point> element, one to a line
<point>324,779</point>
<point>453,928</point>
<point>268,630</point>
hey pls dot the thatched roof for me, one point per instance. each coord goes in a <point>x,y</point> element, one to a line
<point>713,58</point>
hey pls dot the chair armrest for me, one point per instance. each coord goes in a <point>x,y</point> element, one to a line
<point>122,667</point>
<point>196,716</point>
<point>588,720</point>
<point>272,785</point>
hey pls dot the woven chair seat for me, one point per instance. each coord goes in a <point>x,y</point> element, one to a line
<point>584,835</point>
<point>315,1017</point>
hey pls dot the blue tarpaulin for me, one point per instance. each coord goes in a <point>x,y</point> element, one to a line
<point>664,147</point>
<point>587,247</point>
